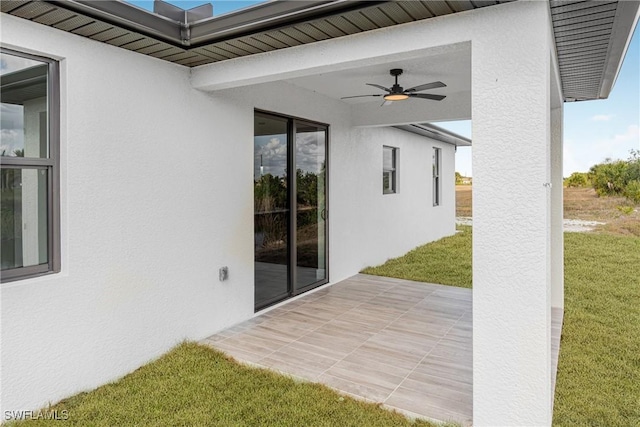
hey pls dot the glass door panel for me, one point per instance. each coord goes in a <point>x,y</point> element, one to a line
<point>271,209</point>
<point>311,208</point>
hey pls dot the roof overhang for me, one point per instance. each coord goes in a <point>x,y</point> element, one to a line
<point>591,40</point>
<point>627,16</point>
<point>435,132</point>
<point>260,28</point>
<point>260,17</point>
<point>591,37</point>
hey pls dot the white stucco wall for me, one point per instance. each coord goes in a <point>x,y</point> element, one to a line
<point>156,194</point>
<point>382,226</point>
<point>147,217</point>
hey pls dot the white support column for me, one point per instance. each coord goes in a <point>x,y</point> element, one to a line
<point>511,223</point>
<point>557,210</point>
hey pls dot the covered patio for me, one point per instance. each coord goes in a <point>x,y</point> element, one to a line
<point>407,345</point>
<point>508,66</point>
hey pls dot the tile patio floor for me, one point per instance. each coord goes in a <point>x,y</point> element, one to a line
<point>401,343</point>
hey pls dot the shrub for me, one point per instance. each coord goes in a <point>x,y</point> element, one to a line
<point>617,177</point>
<point>633,166</point>
<point>608,178</point>
<point>577,179</point>
<point>632,191</point>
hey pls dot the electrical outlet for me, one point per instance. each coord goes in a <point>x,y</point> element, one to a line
<point>223,273</point>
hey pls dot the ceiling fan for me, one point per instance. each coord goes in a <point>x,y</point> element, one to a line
<point>398,93</point>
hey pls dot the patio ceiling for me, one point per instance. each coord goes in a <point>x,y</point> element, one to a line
<point>452,67</point>
<point>591,37</point>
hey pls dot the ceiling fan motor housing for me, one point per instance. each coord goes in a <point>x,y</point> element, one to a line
<point>396,88</point>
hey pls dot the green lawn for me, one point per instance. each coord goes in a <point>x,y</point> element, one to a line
<point>599,369</point>
<point>447,262</point>
<point>194,385</point>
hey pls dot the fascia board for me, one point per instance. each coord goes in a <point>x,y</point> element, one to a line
<point>626,19</point>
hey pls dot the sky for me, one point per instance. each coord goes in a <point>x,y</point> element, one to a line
<point>593,130</point>
<point>219,7</point>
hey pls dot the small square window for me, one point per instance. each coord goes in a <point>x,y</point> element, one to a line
<point>389,170</point>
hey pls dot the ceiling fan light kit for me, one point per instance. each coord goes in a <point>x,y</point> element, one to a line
<point>396,97</point>
<point>398,93</point>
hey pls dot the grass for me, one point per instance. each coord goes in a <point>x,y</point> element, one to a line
<point>598,381</point>
<point>599,367</point>
<point>447,261</point>
<point>196,385</point>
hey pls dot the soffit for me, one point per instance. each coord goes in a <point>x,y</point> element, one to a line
<point>591,36</point>
<point>232,35</point>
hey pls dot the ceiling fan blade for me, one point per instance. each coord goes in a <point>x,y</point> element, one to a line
<point>427,96</point>
<point>359,96</point>
<point>386,103</point>
<point>426,86</point>
<point>379,87</point>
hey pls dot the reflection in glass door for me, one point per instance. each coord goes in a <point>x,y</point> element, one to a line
<point>290,215</point>
<point>271,209</point>
<point>310,157</point>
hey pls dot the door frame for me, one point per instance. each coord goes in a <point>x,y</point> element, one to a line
<point>292,290</point>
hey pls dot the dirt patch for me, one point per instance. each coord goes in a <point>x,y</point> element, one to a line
<point>580,226</point>
<point>583,208</point>
<point>573,225</point>
<point>464,220</point>
<point>619,215</point>
<point>463,200</point>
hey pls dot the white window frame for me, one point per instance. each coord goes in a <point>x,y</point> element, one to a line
<point>392,172</point>
<point>437,171</point>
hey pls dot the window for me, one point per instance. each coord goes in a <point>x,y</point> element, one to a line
<point>389,170</point>
<point>436,177</point>
<point>29,170</point>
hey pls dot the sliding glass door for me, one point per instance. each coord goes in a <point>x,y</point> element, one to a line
<point>311,207</point>
<point>290,210</point>
<point>271,208</point>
